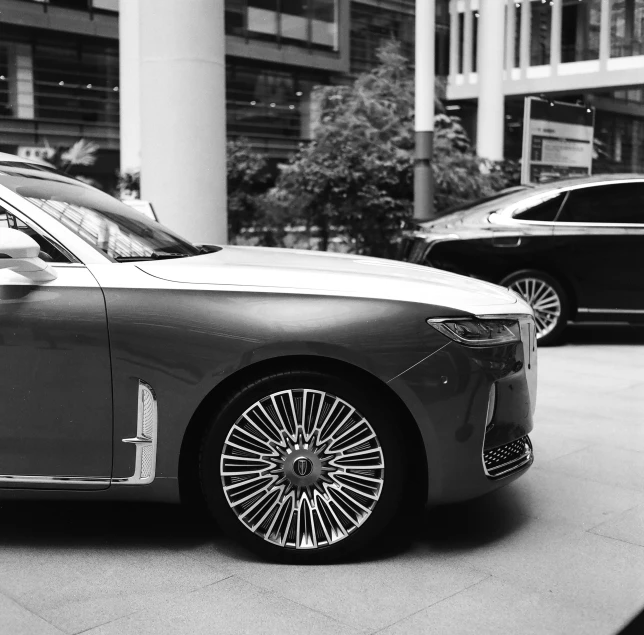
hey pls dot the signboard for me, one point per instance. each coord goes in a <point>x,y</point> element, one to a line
<point>557,140</point>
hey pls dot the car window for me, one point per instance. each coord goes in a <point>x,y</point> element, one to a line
<point>105,223</point>
<point>543,209</point>
<point>48,251</point>
<point>615,203</point>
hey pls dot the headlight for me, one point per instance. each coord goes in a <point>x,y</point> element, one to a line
<point>478,331</point>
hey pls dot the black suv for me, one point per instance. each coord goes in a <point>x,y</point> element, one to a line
<point>573,249</point>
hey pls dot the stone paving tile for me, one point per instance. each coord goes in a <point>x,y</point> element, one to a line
<point>549,442</point>
<point>17,620</point>
<point>628,527</point>
<point>230,607</point>
<point>585,504</point>
<point>367,594</point>
<point>585,429</point>
<point>78,589</point>
<point>493,606</point>
<point>590,571</point>
<point>603,464</point>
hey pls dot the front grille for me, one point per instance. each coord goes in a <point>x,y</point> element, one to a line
<point>507,458</point>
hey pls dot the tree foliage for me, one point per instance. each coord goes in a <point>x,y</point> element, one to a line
<point>356,176</point>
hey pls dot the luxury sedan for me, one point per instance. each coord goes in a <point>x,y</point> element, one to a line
<point>572,249</point>
<point>305,400</point>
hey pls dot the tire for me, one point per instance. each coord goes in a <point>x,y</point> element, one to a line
<point>311,469</point>
<point>548,300</point>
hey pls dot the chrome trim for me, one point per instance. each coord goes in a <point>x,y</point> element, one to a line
<point>145,441</point>
<point>615,311</point>
<point>54,480</point>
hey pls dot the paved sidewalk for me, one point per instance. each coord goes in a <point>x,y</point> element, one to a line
<point>559,551</point>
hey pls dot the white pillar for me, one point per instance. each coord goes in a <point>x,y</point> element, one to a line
<point>490,115</point>
<point>555,36</point>
<point>454,40</point>
<point>21,80</point>
<point>525,39</point>
<point>129,85</point>
<point>183,107</point>
<point>510,30</point>
<point>468,40</point>
<point>604,34</point>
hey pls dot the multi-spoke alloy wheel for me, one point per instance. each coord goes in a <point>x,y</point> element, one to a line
<point>302,468</point>
<point>304,465</point>
<point>544,301</point>
<point>547,299</point>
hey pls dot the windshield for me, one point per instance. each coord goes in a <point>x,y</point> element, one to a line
<point>108,225</point>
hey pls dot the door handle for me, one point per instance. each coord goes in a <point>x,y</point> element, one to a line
<point>506,241</point>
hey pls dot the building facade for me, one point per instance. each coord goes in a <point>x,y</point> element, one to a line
<point>59,68</point>
<point>579,51</point>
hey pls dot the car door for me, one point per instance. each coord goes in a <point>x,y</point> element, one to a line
<point>55,377</point>
<point>599,244</point>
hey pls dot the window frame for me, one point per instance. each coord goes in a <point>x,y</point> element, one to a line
<point>506,215</point>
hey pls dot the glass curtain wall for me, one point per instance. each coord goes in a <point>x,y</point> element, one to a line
<point>580,23</point>
<point>541,21</point>
<point>627,28</point>
<point>269,103</point>
<point>76,80</point>
<point>305,23</point>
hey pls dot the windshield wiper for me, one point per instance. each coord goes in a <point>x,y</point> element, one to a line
<point>153,256</point>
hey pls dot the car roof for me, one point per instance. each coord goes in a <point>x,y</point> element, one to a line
<point>586,180</point>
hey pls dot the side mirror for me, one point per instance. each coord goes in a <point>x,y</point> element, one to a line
<point>19,253</point>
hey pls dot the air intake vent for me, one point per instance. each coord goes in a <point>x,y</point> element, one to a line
<point>145,440</point>
<point>508,458</point>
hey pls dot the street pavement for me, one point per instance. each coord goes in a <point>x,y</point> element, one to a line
<point>559,551</point>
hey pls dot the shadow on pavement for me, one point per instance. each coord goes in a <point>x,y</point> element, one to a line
<point>101,525</point>
<point>465,526</point>
<point>583,334</point>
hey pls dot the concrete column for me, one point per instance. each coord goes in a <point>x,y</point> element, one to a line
<point>524,43</point>
<point>555,36</point>
<point>21,80</point>
<point>130,85</point>
<point>454,39</point>
<point>490,114</point>
<point>183,107</point>
<point>510,28</point>
<point>468,39</point>
<point>604,34</point>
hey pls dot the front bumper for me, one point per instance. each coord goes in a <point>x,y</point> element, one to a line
<point>449,394</point>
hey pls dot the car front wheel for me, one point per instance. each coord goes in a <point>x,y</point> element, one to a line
<point>303,466</point>
<point>548,301</point>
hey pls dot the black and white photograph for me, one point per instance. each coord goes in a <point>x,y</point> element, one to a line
<point>321,317</point>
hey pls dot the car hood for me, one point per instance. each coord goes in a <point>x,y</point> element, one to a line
<point>311,272</point>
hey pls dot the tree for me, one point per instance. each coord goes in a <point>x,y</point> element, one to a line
<point>356,176</point>
<point>247,179</point>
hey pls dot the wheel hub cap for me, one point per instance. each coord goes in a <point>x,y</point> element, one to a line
<point>302,469</point>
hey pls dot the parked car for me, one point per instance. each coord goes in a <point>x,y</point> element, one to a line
<point>306,398</point>
<point>572,249</point>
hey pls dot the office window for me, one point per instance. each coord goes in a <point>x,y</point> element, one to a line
<point>540,33</point>
<point>627,28</point>
<point>371,27</point>
<point>75,80</point>
<point>269,103</point>
<point>580,21</point>
<point>306,23</point>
